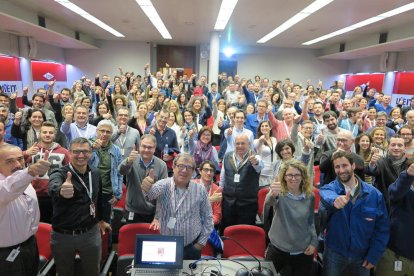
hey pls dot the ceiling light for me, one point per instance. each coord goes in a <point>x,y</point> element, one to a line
<point>363,23</point>
<point>315,6</point>
<point>153,16</point>
<point>228,51</point>
<point>76,9</point>
<point>226,9</point>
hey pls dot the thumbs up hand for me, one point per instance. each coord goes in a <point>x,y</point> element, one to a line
<point>275,187</point>
<point>133,155</point>
<point>342,200</point>
<point>41,167</point>
<point>148,181</point>
<point>252,158</point>
<point>67,190</point>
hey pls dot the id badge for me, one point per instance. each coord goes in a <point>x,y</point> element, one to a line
<point>13,255</point>
<point>237,177</point>
<point>122,152</point>
<point>131,216</point>
<point>397,266</point>
<point>171,223</point>
<point>92,210</point>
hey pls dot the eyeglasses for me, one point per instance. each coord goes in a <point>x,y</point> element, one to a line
<point>78,152</point>
<point>293,176</point>
<point>183,167</point>
<point>146,147</point>
<point>208,170</point>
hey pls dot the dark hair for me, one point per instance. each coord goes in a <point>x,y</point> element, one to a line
<point>38,95</point>
<point>98,105</point>
<point>33,110</point>
<point>48,124</point>
<point>203,129</point>
<point>80,141</point>
<point>340,153</point>
<point>329,114</point>
<point>358,147</point>
<point>205,162</point>
<point>282,144</point>
<point>259,132</point>
<point>405,127</point>
<point>354,110</point>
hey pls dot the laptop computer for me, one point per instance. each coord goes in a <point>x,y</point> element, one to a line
<point>158,255</point>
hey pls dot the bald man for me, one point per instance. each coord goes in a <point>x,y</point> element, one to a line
<point>19,212</point>
<point>344,142</point>
<point>239,181</point>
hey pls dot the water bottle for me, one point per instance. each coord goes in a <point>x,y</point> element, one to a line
<point>166,149</point>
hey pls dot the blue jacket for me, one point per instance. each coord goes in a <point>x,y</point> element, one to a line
<point>360,230</point>
<point>116,177</point>
<point>252,122</point>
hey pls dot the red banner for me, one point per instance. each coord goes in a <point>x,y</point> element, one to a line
<point>10,69</point>
<point>47,71</point>
<point>404,83</point>
<point>375,81</point>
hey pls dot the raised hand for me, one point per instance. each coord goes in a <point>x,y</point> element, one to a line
<point>41,167</point>
<point>66,190</point>
<point>342,200</point>
<point>33,150</point>
<point>122,129</point>
<point>252,158</point>
<point>375,157</point>
<point>410,170</point>
<point>97,144</point>
<point>25,90</point>
<point>133,155</point>
<point>275,187</point>
<point>216,197</point>
<point>148,181</point>
<point>18,117</point>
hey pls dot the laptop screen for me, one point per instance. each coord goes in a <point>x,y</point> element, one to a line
<point>157,251</point>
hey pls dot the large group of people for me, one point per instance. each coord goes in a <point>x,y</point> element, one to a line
<point>193,157</point>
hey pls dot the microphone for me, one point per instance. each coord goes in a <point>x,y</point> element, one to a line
<point>256,271</point>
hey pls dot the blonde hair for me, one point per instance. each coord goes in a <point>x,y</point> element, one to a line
<point>305,185</point>
<point>178,116</point>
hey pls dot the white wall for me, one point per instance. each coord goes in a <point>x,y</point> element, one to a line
<point>131,56</point>
<point>8,44</point>
<point>405,62</point>
<point>279,63</point>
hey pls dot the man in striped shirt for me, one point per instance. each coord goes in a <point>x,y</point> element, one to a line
<point>185,208</point>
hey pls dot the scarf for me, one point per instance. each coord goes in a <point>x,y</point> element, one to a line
<point>202,152</point>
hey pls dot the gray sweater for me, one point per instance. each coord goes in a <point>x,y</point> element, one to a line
<point>293,226</point>
<point>135,173</point>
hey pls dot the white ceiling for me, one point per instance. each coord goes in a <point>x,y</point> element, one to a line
<point>190,22</point>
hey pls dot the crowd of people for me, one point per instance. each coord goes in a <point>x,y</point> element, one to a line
<point>193,158</point>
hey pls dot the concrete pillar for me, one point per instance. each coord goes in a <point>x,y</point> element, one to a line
<point>213,68</point>
<point>25,65</point>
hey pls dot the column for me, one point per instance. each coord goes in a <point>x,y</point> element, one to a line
<point>213,68</point>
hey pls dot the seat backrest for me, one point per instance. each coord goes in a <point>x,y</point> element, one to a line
<point>127,234</point>
<point>317,178</point>
<point>122,202</point>
<point>43,240</point>
<point>208,250</point>
<point>253,238</point>
<point>261,199</point>
<point>317,199</point>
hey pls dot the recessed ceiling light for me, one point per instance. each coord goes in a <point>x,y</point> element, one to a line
<point>363,23</point>
<point>76,9</point>
<point>226,9</point>
<point>153,16</point>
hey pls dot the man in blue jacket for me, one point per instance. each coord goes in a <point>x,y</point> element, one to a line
<point>357,229</point>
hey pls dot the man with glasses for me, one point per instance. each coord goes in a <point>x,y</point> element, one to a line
<point>106,157</point>
<point>406,133</point>
<point>140,167</point>
<point>253,120</point>
<point>77,217</point>
<point>125,137</point>
<point>185,208</point>
<point>81,126</point>
<point>239,180</point>
<point>381,121</point>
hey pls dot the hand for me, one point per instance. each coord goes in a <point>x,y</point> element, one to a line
<point>113,201</point>
<point>152,131</point>
<point>25,90</point>
<point>41,167</point>
<point>342,200</point>
<point>262,139</point>
<point>401,102</point>
<point>33,150</point>
<point>52,83</point>
<point>310,250</point>
<point>167,157</point>
<point>308,145</point>
<point>230,131</point>
<point>97,76</point>
<point>148,181</point>
<point>367,265</point>
<point>55,97</point>
<point>107,116</point>
<point>69,117</point>
<point>18,117</point>
<point>410,170</point>
<point>375,157</point>
<point>167,65</point>
<point>155,225</point>
<point>220,122</point>
<point>104,227</point>
<point>146,66</point>
<point>216,197</point>
<point>122,129</point>
<point>97,144</point>
<point>275,187</point>
<point>13,96</point>
<point>133,155</point>
<point>66,190</point>
<point>191,133</point>
<point>252,158</point>
<point>198,246</point>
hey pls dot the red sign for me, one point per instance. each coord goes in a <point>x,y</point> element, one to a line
<point>47,71</point>
<point>10,69</point>
<point>404,83</point>
<point>375,81</point>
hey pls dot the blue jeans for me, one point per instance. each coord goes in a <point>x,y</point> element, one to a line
<point>335,264</point>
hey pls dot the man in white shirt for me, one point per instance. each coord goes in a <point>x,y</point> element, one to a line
<point>19,212</point>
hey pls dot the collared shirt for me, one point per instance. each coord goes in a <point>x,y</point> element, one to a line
<point>19,209</point>
<point>194,218</point>
<point>236,132</point>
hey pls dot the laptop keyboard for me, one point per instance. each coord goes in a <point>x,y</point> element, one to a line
<point>152,272</point>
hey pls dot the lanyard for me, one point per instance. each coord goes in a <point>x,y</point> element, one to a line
<point>172,188</point>
<point>271,148</point>
<point>86,131</point>
<point>122,143</point>
<point>241,164</point>
<point>288,132</point>
<point>89,191</point>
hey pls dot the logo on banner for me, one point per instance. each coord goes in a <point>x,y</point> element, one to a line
<point>48,76</point>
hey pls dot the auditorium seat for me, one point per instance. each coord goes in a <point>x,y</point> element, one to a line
<point>43,243</point>
<point>261,196</point>
<point>253,238</point>
<point>317,178</point>
<point>126,244</point>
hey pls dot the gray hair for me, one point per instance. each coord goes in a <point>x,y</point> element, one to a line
<point>105,123</point>
<point>149,137</point>
<point>187,157</point>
